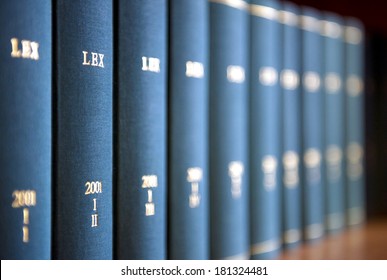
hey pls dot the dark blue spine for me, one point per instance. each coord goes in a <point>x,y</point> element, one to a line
<point>265,129</point>
<point>25,129</point>
<point>188,136</point>
<point>312,124</point>
<point>141,64</point>
<point>354,99</point>
<point>291,127</point>
<point>229,225</point>
<point>333,74</point>
<point>83,165</point>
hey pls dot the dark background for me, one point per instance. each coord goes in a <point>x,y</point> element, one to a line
<point>373,14</point>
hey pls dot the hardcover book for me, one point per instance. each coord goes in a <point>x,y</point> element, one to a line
<point>141,69</point>
<point>334,121</point>
<point>83,66</point>
<point>291,127</point>
<point>265,129</point>
<point>354,138</point>
<point>188,130</point>
<point>25,129</point>
<point>229,224</point>
<point>312,125</point>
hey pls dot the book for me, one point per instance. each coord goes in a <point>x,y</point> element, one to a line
<point>25,129</point>
<point>334,122</point>
<point>83,73</point>
<point>354,118</point>
<point>312,125</point>
<point>291,126</point>
<point>265,129</point>
<point>188,130</point>
<point>141,69</point>
<point>229,224</point>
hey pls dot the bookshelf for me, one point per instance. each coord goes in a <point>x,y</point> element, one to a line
<point>365,242</point>
<point>368,241</point>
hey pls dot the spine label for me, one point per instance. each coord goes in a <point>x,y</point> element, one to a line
<point>29,49</point>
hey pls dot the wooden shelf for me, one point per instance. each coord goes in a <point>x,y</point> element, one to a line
<point>365,242</point>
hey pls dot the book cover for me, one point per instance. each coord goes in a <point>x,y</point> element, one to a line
<point>188,130</point>
<point>83,67</point>
<point>265,129</point>
<point>229,224</point>
<point>312,125</point>
<point>354,118</point>
<point>141,123</point>
<point>334,121</point>
<point>291,126</point>
<point>25,129</point>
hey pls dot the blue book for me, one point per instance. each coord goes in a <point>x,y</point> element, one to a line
<point>265,129</point>
<point>291,126</point>
<point>333,74</point>
<point>83,136</point>
<point>229,225</point>
<point>141,68</point>
<point>25,129</point>
<point>188,135</point>
<point>354,117</point>
<point>312,125</point>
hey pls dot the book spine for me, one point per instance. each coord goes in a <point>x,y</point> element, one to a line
<point>354,99</point>
<point>291,127</point>
<point>83,136</point>
<point>334,131</point>
<point>265,129</point>
<point>188,135</point>
<point>25,129</point>
<point>141,63</point>
<point>312,124</point>
<point>229,225</point>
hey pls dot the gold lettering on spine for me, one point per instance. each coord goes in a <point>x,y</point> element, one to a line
<point>235,74</point>
<point>353,35</point>
<point>354,85</point>
<point>311,81</point>
<point>26,49</point>
<point>34,51</point>
<point>269,168</point>
<point>332,83</point>
<point>15,48</point>
<point>26,216</point>
<point>96,59</point>
<point>29,49</point>
<point>85,61</point>
<point>290,162</point>
<point>289,79</point>
<point>24,199</point>
<point>312,161</point>
<point>194,69</point>
<point>94,187</point>
<point>149,182</point>
<point>26,221</point>
<point>333,156</point>
<point>26,234</point>
<point>268,76</point>
<point>94,220</point>
<point>235,171</point>
<point>150,64</point>
<point>194,176</point>
<point>355,156</point>
<point>95,204</point>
